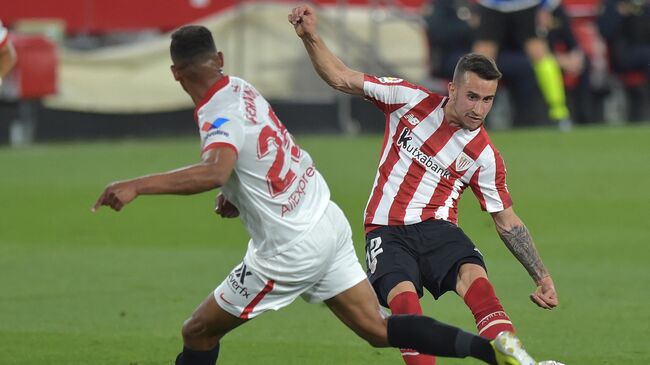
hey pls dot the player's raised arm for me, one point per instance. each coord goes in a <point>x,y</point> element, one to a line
<point>327,65</point>
<point>211,173</point>
<point>517,238</point>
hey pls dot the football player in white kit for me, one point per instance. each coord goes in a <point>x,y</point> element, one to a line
<point>300,243</point>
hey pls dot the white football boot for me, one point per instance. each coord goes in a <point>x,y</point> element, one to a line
<point>509,350</point>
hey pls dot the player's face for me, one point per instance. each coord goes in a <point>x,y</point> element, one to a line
<point>470,100</point>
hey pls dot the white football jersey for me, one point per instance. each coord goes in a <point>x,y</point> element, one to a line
<point>278,191</point>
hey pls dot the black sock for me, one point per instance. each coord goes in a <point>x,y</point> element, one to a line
<point>428,336</point>
<point>191,357</point>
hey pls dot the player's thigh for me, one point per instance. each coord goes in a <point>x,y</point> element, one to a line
<point>492,27</point>
<point>258,285</point>
<point>341,267</point>
<point>262,283</point>
<point>525,26</point>
<point>391,260</point>
<point>444,248</point>
<point>358,308</point>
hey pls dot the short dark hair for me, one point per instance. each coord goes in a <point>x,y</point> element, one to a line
<point>190,42</point>
<point>483,66</point>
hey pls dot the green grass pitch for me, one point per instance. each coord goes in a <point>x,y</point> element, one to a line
<point>114,288</point>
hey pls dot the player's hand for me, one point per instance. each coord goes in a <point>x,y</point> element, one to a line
<point>545,295</point>
<point>116,195</point>
<point>225,208</point>
<point>303,20</point>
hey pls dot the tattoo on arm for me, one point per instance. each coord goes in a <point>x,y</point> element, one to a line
<point>520,243</point>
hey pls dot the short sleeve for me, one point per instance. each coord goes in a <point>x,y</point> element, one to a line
<point>489,185</point>
<point>388,93</point>
<point>221,130</point>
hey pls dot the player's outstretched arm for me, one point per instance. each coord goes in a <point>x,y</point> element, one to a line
<point>517,238</point>
<point>211,173</point>
<point>329,67</point>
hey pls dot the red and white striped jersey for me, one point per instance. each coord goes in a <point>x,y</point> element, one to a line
<point>426,163</point>
<point>274,184</point>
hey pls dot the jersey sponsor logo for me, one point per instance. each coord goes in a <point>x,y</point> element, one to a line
<point>236,280</point>
<point>412,119</point>
<point>241,272</point>
<point>389,80</point>
<point>296,196</point>
<point>218,132</point>
<point>224,298</point>
<point>249,104</point>
<point>463,162</point>
<point>207,126</point>
<point>404,142</point>
<point>372,251</point>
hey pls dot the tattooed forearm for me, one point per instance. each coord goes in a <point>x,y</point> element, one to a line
<point>520,243</point>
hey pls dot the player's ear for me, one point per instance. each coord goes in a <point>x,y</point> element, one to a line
<point>175,72</point>
<point>220,59</point>
<point>451,88</point>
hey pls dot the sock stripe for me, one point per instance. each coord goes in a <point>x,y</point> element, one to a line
<point>409,352</point>
<point>501,314</point>
<point>500,321</point>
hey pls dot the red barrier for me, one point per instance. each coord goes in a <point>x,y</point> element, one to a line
<point>35,73</point>
<point>102,16</point>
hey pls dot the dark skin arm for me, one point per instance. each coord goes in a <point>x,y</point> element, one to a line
<point>211,173</point>
<point>517,238</point>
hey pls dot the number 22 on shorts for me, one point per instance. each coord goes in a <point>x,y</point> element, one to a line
<point>373,250</point>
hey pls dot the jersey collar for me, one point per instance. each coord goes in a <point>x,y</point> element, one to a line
<point>208,95</point>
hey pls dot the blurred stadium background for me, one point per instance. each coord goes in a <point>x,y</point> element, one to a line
<point>92,100</point>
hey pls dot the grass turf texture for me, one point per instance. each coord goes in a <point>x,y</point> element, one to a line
<point>114,288</point>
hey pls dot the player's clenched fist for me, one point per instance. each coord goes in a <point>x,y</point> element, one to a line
<point>304,20</point>
<point>117,195</point>
<point>224,208</point>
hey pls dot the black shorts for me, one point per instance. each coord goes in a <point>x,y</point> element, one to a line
<point>500,27</point>
<point>428,254</point>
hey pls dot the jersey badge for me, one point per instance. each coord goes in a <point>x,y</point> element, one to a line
<point>412,119</point>
<point>214,125</point>
<point>463,162</point>
<point>390,80</point>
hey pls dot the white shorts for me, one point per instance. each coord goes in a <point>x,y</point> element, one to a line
<point>319,266</point>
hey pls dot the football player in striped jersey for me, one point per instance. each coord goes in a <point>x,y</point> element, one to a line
<point>434,148</point>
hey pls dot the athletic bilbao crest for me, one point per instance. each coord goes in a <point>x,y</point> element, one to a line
<point>463,162</point>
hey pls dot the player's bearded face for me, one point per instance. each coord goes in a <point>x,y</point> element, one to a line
<point>472,100</point>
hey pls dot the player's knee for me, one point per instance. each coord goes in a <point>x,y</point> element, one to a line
<point>376,334</point>
<point>195,329</point>
<point>191,328</point>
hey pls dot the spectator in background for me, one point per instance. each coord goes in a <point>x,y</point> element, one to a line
<point>625,25</point>
<point>583,104</point>
<point>528,21</point>
<point>7,52</point>
<point>451,26</point>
